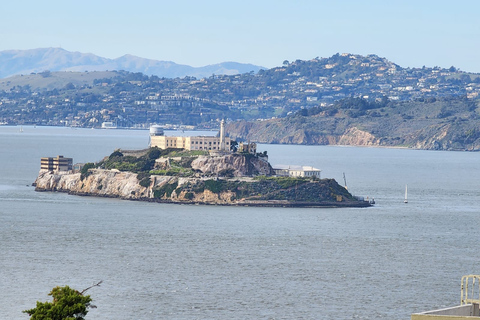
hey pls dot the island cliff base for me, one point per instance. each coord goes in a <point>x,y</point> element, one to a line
<point>325,193</point>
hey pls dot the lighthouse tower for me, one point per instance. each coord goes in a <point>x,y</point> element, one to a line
<point>222,135</point>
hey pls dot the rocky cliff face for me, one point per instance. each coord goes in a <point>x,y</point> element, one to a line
<point>283,131</point>
<point>106,183</point>
<point>356,137</point>
<point>238,165</point>
<point>447,136</point>
<point>425,133</point>
<point>125,185</point>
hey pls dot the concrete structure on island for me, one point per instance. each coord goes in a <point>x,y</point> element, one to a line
<point>297,171</point>
<point>56,164</point>
<point>208,143</point>
<point>250,147</point>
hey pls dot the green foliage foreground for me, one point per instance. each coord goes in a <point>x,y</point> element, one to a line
<point>67,304</point>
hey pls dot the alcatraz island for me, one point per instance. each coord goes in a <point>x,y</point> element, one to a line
<point>212,170</point>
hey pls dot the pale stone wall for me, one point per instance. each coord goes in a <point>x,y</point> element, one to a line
<point>189,143</point>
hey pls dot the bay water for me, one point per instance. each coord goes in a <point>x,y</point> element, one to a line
<point>164,261</point>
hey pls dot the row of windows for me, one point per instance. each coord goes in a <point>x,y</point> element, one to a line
<point>304,173</point>
<point>173,143</point>
<point>209,142</point>
<point>196,142</point>
<point>206,148</point>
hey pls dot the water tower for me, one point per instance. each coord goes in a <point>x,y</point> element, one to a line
<point>156,130</point>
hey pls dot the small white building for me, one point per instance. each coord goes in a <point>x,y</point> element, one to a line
<point>297,171</point>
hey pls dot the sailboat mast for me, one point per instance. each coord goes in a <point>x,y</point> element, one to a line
<point>406,188</point>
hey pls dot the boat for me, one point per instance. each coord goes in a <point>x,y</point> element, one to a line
<point>406,200</point>
<point>109,125</point>
<point>468,308</point>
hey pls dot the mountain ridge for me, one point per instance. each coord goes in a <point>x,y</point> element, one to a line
<point>16,62</point>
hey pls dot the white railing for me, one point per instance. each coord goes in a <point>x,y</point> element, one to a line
<point>470,289</point>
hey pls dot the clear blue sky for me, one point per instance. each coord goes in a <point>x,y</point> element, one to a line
<point>409,33</point>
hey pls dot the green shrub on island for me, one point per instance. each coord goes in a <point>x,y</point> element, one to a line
<point>144,179</point>
<point>216,186</point>
<point>189,196</point>
<point>285,182</point>
<point>154,153</point>
<point>175,171</point>
<point>122,162</point>
<point>146,162</point>
<point>115,154</point>
<point>186,153</point>
<point>84,171</point>
<point>145,182</point>
<point>165,190</point>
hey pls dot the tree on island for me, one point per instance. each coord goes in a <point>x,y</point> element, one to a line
<point>68,304</point>
<point>234,146</point>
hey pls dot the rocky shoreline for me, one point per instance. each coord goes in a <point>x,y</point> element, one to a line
<point>197,191</point>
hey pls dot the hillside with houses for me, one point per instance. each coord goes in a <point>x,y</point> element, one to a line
<point>137,100</point>
<point>323,86</point>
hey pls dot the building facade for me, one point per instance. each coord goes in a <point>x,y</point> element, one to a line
<point>250,147</point>
<point>297,171</point>
<point>58,163</point>
<point>209,143</point>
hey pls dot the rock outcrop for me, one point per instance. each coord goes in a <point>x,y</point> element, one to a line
<point>238,165</point>
<point>103,183</point>
<point>357,137</point>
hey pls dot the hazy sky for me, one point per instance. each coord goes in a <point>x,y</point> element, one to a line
<point>409,33</point>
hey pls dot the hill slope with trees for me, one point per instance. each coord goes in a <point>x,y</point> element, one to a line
<point>436,124</point>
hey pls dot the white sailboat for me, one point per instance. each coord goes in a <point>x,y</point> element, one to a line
<point>406,200</point>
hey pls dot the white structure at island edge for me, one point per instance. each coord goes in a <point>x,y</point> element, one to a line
<point>209,143</point>
<point>297,171</point>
